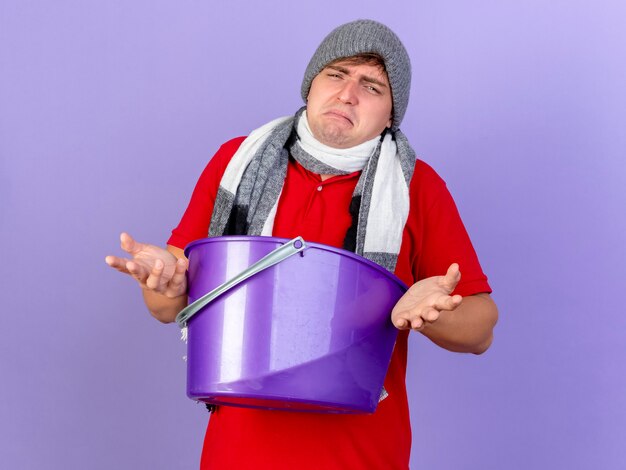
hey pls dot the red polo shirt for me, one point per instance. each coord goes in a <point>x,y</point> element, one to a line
<point>434,237</point>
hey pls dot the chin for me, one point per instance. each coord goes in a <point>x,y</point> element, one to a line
<point>333,136</point>
<point>336,141</point>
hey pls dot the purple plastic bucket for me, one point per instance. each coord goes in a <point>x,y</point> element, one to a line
<point>311,333</point>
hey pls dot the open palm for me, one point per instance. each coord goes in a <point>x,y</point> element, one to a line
<point>425,299</point>
<point>153,267</point>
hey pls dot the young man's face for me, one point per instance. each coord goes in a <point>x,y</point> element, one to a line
<point>349,104</point>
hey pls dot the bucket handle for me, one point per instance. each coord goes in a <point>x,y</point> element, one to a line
<point>279,254</point>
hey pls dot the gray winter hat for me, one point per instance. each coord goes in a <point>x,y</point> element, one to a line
<point>366,36</point>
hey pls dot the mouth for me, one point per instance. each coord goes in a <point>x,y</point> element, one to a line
<point>335,113</point>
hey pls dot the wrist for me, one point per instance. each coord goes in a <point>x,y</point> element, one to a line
<point>162,307</point>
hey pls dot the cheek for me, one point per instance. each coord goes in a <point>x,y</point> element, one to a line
<point>315,90</point>
<point>383,113</point>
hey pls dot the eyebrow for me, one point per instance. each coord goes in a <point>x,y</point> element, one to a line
<point>365,78</point>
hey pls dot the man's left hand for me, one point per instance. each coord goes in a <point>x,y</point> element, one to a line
<point>424,301</point>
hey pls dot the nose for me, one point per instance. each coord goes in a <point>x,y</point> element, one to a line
<point>348,93</point>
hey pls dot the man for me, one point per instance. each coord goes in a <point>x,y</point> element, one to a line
<point>339,172</point>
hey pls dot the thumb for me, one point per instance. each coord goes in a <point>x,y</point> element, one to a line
<point>452,277</point>
<point>129,244</point>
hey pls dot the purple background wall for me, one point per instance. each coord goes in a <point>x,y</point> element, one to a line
<point>110,110</point>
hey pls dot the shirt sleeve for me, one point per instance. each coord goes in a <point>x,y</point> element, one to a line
<point>195,221</point>
<point>444,238</point>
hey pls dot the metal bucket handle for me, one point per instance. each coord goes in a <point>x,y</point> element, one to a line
<point>279,254</point>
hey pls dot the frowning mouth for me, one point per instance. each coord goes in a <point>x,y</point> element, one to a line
<point>334,113</point>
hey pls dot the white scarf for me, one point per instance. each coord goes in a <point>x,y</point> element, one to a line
<point>250,188</point>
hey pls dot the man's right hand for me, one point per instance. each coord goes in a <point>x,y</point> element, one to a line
<point>154,268</point>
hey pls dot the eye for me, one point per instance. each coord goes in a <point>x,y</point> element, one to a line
<point>334,75</point>
<point>372,89</point>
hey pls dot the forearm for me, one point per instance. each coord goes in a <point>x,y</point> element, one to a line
<point>163,308</point>
<point>468,328</point>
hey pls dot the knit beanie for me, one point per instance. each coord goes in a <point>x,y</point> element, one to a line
<point>360,37</point>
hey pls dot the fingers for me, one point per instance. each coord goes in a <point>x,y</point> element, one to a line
<point>138,271</point>
<point>426,299</point>
<point>429,315</point>
<point>174,286</point>
<point>400,323</point>
<point>418,319</point>
<point>153,280</point>
<point>178,284</point>
<point>418,324</point>
<point>415,321</point>
<point>447,302</point>
<point>152,267</point>
<point>117,263</point>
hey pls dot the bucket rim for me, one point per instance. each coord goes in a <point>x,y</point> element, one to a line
<point>320,246</point>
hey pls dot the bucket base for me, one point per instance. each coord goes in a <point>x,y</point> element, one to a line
<point>279,404</point>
